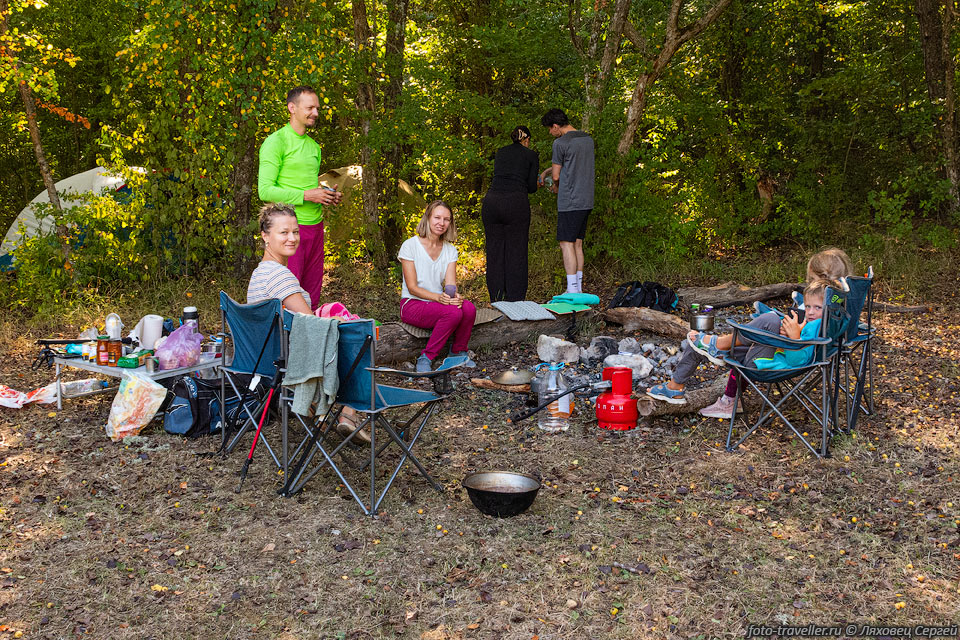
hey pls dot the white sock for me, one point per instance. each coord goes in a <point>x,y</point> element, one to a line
<point>579,281</point>
<point>571,283</point>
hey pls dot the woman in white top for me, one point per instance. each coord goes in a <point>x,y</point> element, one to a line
<point>273,280</point>
<point>429,297</point>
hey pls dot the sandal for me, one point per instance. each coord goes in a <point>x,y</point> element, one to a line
<point>663,392</point>
<point>346,426</point>
<point>709,348</point>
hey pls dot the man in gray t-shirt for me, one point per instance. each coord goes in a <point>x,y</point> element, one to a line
<point>573,176</point>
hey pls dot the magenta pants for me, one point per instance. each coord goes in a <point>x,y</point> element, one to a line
<point>444,319</point>
<point>307,262</point>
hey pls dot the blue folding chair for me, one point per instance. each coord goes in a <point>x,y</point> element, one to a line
<point>792,384</point>
<point>856,353</point>
<point>360,390</point>
<point>258,333</point>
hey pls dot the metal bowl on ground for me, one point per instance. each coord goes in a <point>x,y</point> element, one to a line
<point>501,494</point>
<point>702,321</point>
<point>513,376</point>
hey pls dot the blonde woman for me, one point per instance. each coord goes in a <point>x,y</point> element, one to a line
<point>429,297</point>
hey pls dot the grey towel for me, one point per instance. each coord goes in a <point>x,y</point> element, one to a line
<point>525,310</point>
<point>312,366</point>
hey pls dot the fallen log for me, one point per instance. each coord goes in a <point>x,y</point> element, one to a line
<point>887,307</point>
<point>487,383</point>
<point>644,319</point>
<point>730,294</point>
<point>696,399</point>
<point>396,345</point>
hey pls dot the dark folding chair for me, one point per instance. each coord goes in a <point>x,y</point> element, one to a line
<point>258,333</point>
<point>856,353</point>
<point>360,390</point>
<point>777,387</point>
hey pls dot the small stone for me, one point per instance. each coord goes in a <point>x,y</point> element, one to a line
<point>600,347</point>
<point>648,347</point>
<point>639,365</point>
<point>629,345</point>
<point>571,603</point>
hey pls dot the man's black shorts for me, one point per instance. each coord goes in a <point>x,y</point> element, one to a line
<point>572,225</point>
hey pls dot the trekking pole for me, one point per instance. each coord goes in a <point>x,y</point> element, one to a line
<point>263,417</point>
<point>285,491</point>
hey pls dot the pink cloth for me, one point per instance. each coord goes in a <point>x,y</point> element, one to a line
<point>335,310</point>
<point>444,319</point>
<point>307,262</point>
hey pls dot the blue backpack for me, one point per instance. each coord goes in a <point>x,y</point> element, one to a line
<point>194,410</point>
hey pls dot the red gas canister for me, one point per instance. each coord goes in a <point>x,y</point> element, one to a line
<point>617,409</point>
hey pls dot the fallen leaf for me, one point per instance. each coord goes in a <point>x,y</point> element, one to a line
<point>158,588</point>
<point>268,547</point>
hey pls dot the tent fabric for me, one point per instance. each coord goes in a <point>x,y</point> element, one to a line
<point>97,180</point>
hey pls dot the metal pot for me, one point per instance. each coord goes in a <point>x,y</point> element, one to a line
<point>502,494</point>
<point>513,376</point>
<point>702,321</point>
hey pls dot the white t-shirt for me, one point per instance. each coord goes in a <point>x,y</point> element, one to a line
<point>430,272</point>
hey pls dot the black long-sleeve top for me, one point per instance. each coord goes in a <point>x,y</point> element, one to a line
<point>515,168</point>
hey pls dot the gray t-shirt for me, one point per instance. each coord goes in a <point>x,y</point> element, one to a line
<point>573,151</point>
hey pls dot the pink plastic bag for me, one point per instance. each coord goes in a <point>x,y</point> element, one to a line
<point>181,348</point>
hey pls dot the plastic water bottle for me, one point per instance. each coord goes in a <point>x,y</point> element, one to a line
<point>555,417</point>
<point>76,388</point>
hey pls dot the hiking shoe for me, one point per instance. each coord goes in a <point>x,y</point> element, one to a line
<point>466,354</point>
<point>709,348</point>
<point>423,364</point>
<point>797,297</point>
<point>759,308</point>
<point>721,409</point>
<point>665,393</point>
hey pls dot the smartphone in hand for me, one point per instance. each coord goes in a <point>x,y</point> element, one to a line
<point>797,312</point>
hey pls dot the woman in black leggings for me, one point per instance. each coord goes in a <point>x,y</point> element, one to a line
<point>506,217</point>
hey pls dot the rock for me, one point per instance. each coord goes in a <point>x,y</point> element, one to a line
<point>600,347</point>
<point>550,349</point>
<point>648,347</point>
<point>640,366</point>
<point>629,345</point>
<point>571,603</point>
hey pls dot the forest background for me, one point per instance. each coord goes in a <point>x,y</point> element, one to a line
<point>723,127</point>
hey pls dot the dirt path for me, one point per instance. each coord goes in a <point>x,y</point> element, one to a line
<point>150,541</point>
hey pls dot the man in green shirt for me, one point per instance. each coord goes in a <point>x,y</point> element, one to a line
<point>290,173</point>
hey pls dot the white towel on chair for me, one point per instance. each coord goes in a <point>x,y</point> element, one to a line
<point>312,364</point>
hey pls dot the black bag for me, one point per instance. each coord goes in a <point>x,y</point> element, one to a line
<point>645,294</point>
<point>194,410</point>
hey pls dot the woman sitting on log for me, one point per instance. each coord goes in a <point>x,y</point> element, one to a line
<point>272,280</point>
<point>429,297</point>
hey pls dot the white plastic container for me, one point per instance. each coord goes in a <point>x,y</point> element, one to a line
<point>555,417</point>
<point>76,388</point>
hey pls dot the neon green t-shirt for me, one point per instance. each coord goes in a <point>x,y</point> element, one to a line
<point>290,165</point>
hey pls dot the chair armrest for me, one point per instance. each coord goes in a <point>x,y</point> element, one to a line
<point>775,339</point>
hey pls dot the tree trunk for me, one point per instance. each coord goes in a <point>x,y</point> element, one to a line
<point>366,104</point>
<point>931,43</point>
<point>696,399</point>
<point>729,294</point>
<point>643,319</point>
<point>597,90</point>
<point>950,139</point>
<point>391,218</point>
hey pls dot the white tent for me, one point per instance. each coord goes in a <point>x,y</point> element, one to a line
<point>96,181</point>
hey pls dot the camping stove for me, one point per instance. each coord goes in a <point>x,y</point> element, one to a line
<point>617,409</point>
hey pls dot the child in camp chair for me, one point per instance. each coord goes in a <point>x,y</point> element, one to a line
<point>714,348</point>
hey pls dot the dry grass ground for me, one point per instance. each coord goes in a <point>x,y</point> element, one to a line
<point>149,540</point>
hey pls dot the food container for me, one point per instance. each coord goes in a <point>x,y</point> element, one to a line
<point>103,348</point>
<point>114,352</point>
<point>702,321</point>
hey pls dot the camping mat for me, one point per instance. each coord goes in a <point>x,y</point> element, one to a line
<point>526,310</point>
<point>484,316</point>
<point>562,308</point>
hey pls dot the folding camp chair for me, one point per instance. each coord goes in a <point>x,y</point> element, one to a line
<point>258,333</point>
<point>856,352</point>
<point>360,390</point>
<point>795,383</point>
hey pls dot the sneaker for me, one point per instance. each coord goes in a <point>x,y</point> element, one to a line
<point>797,298</point>
<point>665,393</point>
<point>466,354</point>
<point>423,364</point>
<point>722,408</point>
